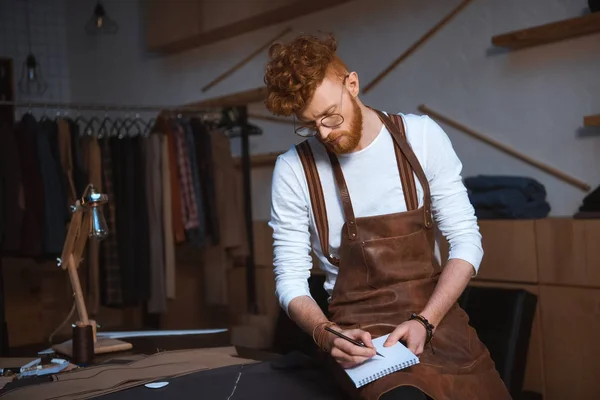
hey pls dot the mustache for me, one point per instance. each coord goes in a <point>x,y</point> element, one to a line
<point>333,136</point>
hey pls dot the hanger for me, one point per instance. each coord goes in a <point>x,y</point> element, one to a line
<point>89,128</point>
<point>133,123</point>
<point>231,124</point>
<point>104,130</point>
<point>79,118</point>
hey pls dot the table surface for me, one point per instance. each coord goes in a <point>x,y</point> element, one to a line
<point>141,345</point>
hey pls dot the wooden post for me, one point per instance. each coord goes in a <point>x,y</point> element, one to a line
<point>76,285</point>
<point>507,149</point>
<point>416,45</point>
<point>245,60</point>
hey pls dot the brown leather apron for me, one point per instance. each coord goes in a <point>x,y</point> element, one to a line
<point>387,270</point>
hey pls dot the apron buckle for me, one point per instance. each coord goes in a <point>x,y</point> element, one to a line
<point>428,218</point>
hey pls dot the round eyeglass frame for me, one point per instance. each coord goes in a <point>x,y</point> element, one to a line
<point>313,131</point>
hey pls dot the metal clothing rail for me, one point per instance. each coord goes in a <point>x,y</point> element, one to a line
<point>107,106</point>
<point>242,119</point>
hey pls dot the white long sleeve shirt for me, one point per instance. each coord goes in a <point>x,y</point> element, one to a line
<point>375,188</point>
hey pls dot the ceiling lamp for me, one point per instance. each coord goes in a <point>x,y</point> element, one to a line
<point>32,80</point>
<point>100,22</point>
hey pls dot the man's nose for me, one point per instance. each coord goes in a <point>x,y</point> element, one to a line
<point>324,132</point>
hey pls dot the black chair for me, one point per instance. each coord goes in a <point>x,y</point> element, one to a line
<point>503,319</point>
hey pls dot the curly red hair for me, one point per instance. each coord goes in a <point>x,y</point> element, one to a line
<point>295,70</point>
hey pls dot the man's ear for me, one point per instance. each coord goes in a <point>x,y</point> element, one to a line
<point>353,84</point>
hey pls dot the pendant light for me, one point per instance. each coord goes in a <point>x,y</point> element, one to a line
<point>32,80</point>
<point>99,22</point>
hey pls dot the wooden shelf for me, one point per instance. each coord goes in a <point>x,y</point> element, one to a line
<point>279,120</point>
<point>591,120</point>
<point>259,160</point>
<point>235,99</point>
<point>276,16</point>
<point>548,33</point>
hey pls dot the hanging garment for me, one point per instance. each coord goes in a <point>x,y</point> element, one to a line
<point>12,191</point>
<point>157,302</point>
<point>232,227</point>
<point>33,187</point>
<point>204,160</point>
<point>186,185</point>
<point>80,178</point>
<point>131,219</point>
<point>55,213</point>
<point>167,211</point>
<point>66,161</point>
<point>218,259</point>
<point>110,272</point>
<point>197,235</point>
<point>387,270</point>
<point>177,206</point>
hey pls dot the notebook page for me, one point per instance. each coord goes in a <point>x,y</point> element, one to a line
<point>397,357</point>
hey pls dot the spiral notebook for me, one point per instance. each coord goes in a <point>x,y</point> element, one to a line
<point>397,357</point>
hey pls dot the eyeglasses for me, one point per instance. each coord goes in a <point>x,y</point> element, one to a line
<point>329,121</point>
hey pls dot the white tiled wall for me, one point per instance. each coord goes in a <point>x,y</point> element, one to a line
<point>47,29</point>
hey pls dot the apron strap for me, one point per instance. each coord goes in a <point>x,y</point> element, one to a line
<point>414,163</point>
<point>345,195</point>
<point>406,173</point>
<point>316,198</point>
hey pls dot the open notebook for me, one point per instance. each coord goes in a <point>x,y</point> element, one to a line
<point>397,357</point>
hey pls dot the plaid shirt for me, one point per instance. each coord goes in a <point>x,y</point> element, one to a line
<point>186,183</point>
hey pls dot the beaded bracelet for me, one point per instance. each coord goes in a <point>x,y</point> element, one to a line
<point>428,327</point>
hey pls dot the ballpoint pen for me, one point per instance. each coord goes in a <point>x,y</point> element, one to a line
<point>328,329</point>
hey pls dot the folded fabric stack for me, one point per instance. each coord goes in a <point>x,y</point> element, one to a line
<point>590,207</point>
<point>507,197</point>
<point>591,202</point>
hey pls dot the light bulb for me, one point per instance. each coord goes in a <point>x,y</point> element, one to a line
<point>93,201</point>
<point>99,229</point>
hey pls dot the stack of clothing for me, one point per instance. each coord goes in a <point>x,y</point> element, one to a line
<point>591,205</point>
<point>507,197</point>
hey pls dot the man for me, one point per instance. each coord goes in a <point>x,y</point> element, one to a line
<point>364,193</point>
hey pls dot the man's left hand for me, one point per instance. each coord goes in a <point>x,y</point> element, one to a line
<point>411,333</point>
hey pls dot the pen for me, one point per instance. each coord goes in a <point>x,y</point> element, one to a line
<point>328,329</point>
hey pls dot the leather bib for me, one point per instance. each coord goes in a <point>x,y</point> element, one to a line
<point>387,270</point>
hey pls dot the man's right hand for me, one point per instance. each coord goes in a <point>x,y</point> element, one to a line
<point>348,354</point>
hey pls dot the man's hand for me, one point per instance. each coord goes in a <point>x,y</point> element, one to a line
<point>347,354</point>
<point>411,333</point>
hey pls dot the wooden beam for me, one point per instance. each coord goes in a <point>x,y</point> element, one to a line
<point>506,149</point>
<point>591,120</point>
<point>548,33</point>
<point>416,45</point>
<point>234,99</point>
<point>271,119</point>
<point>245,60</point>
<point>285,13</point>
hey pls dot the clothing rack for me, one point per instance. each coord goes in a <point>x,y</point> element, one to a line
<point>213,113</point>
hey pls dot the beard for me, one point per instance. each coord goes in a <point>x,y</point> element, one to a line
<point>348,139</point>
